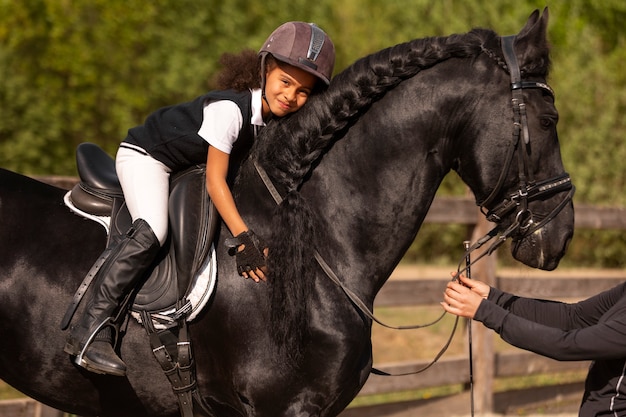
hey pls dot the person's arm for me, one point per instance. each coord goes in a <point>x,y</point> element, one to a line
<point>547,312</point>
<point>510,316</point>
<point>219,191</point>
<point>221,124</point>
<point>566,316</point>
<point>603,340</point>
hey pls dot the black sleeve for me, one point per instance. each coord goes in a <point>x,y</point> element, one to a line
<point>558,330</point>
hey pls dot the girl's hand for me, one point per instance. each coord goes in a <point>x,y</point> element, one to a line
<point>251,254</point>
<point>258,274</point>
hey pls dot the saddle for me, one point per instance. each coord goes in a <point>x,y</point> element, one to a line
<point>183,275</point>
<point>184,269</point>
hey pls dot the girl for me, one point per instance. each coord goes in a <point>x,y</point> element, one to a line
<point>217,128</point>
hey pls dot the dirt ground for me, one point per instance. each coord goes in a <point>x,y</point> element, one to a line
<point>544,402</point>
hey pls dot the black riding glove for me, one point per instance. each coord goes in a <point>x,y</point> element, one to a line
<point>251,256</point>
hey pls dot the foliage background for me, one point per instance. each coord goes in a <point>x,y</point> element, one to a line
<point>87,70</point>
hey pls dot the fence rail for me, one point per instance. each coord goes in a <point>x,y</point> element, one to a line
<point>454,370</point>
<point>26,407</point>
<point>414,291</point>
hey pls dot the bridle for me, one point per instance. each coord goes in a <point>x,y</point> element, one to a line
<point>529,189</point>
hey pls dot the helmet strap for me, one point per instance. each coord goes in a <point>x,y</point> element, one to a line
<point>263,82</point>
<point>268,104</point>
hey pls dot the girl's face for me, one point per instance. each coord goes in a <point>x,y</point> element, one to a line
<point>287,88</point>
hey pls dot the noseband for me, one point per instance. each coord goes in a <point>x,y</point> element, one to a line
<point>529,189</point>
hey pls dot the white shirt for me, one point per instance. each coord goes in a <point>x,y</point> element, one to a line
<point>222,121</point>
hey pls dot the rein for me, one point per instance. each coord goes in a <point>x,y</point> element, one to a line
<point>327,269</point>
<point>529,190</point>
<point>354,298</point>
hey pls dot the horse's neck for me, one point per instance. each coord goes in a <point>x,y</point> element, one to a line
<point>372,191</point>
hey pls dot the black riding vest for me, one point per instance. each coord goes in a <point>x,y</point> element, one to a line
<point>170,134</point>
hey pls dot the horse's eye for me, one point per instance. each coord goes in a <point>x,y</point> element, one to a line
<point>547,122</point>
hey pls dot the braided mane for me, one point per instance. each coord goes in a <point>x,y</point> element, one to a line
<point>288,148</point>
<point>296,141</point>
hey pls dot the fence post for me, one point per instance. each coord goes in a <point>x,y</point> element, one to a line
<point>46,411</point>
<point>483,343</point>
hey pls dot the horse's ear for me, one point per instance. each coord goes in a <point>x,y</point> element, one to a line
<point>532,45</point>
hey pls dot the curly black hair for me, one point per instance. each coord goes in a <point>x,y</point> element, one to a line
<point>239,71</point>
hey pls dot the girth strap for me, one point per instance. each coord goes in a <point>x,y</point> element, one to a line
<point>180,371</point>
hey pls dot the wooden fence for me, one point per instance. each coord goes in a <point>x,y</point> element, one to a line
<point>26,407</point>
<point>488,364</point>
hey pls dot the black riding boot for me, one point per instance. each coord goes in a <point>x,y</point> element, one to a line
<point>90,339</point>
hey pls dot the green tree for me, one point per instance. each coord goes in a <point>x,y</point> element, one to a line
<point>87,70</point>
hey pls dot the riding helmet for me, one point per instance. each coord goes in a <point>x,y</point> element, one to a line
<point>303,45</point>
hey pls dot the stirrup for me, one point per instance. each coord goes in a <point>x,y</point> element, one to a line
<point>79,358</point>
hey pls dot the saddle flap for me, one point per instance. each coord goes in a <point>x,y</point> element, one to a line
<point>191,220</point>
<point>192,217</point>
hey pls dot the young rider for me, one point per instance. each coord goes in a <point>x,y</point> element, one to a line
<point>217,128</point>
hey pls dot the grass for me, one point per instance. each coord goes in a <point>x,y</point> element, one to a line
<point>422,394</point>
<point>7,392</point>
<point>389,345</point>
<point>500,385</point>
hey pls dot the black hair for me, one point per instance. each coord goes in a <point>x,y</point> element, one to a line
<point>239,71</point>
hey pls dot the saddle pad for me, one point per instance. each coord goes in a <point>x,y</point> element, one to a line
<point>105,221</point>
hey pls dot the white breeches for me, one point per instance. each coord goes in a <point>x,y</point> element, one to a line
<point>146,185</point>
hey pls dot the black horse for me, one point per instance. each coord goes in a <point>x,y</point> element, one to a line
<point>345,183</point>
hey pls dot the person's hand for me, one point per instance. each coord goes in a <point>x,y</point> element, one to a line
<point>463,298</point>
<point>476,286</point>
<point>250,254</point>
<point>258,274</point>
